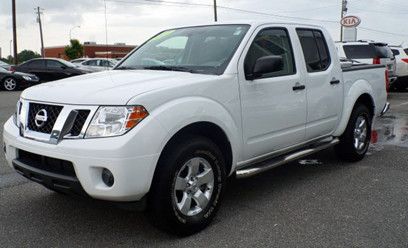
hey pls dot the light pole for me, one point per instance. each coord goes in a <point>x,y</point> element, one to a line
<point>11,44</point>
<point>70,31</point>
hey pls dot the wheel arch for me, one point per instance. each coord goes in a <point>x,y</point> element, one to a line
<point>205,129</point>
<point>360,93</point>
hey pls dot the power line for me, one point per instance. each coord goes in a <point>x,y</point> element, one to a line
<point>186,4</point>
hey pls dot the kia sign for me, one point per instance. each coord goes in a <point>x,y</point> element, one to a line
<point>350,21</point>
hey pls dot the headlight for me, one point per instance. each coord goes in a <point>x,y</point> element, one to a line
<point>27,78</point>
<point>16,114</point>
<point>115,121</point>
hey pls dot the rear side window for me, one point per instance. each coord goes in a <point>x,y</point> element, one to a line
<point>271,41</point>
<point>315,50</point>
<point>93,62</point>
<point>34,64</point>
<point>368,51</point>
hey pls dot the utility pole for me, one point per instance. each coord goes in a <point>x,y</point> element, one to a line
<point>13,3</point>
<point>343,13</point>
<point>215,11</point>
<point>38,12</point>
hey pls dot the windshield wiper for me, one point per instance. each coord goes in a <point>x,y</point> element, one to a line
<point>168,68</point>
<point>126,68</point>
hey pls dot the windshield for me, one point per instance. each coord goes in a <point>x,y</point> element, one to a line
<point>204,49</point>
<point>67,64</point>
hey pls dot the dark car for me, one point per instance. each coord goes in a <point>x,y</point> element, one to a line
<point>49,69</point>
<point>16,80</point>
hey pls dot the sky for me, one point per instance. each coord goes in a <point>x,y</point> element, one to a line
<point>134,21</point>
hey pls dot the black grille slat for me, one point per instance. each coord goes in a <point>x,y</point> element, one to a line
<point>53,165</point>
<point>53,112</point>
<point>79,122</point>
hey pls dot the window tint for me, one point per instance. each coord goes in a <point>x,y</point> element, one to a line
<point>406,51</point>
<point>53,64</point>
<point>105,63</point>
<point>92,62</point>
<point>368,51</point>
<point>271,42</point>
<point>395,52</point>
<point>315,50</point>
<point>34,64</point>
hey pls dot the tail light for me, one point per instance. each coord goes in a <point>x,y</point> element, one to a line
<point>376,61</point>
<point>387,80</point>
<point>405,60</point>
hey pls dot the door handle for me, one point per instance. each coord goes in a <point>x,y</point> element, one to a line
<point>298,87</point>
<point>335,81</point>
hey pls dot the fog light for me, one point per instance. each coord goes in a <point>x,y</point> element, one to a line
<point>107,177</point>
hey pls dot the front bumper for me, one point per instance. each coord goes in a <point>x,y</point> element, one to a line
<point>131,161</point>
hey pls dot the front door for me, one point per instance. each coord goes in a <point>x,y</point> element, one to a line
<point>273,105</point>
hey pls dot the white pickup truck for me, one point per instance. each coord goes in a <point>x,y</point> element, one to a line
<point>189,108</point>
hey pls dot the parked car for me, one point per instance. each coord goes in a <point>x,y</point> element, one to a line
<point>369,52</point>
<point>78,61</point>
<point>401,57</point>
<point>50,69</point>
<point>16,80</point>
<point>98,64</point>
<point>4,65</point>
<point>191,107</point>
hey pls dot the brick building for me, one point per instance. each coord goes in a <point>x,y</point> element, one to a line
<point>92,50</point>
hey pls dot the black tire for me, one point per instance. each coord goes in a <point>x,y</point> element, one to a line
<point>162,207</point>
<point>346,150</point>
<point>4,82</point>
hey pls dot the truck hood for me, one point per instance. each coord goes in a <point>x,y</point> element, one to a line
<point>115,87</point>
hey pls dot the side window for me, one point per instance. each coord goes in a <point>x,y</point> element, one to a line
<point>272,41</point>
<point>35,64</point>
<point>104,63</point>
<point>53,64</point>
<point>315,50</point>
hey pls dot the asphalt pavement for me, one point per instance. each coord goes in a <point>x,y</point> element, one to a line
<point>315,202</point>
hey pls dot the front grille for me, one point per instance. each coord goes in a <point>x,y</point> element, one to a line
<point>79,122</point>
<point>53,165</point>
<point>52,114</point>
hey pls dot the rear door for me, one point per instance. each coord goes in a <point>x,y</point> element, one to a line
<point>323,81</point>
<point>36,67</point>
<point>273,106</point>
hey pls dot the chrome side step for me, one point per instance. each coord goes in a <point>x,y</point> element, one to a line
<point>266,165</point>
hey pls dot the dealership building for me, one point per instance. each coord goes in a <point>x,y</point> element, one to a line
<point>92,50</point>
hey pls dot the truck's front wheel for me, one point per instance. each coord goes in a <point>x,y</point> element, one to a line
<point>355,141</point>
<point>188,186</point>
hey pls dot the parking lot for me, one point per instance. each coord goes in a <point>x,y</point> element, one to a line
<point>318,202</point>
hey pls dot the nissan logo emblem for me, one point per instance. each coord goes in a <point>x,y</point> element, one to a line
<point>41,118</point>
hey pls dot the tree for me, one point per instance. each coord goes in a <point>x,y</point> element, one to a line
<point>74,50</point>
<point>27,55</point>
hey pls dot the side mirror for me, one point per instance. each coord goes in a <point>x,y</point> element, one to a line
<point>264,65</point>
<point>63,67</point>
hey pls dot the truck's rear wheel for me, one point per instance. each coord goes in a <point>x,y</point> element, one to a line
<point>188,186</point>
<point>355,141</point>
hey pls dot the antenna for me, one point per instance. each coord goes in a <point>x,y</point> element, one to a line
<point>106,30</point>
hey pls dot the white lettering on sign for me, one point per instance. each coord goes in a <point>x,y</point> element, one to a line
<point>350,21</point>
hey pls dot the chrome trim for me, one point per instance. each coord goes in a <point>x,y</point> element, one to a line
<point>385,109</point>
<point>276,153</point>
<point>57,131</point>
<point>255,169</point>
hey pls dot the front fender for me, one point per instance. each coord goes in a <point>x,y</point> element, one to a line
<point>179,113</point>
<point>356,90</point>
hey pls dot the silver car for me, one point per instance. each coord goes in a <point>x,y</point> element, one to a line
<point>98,64</point>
